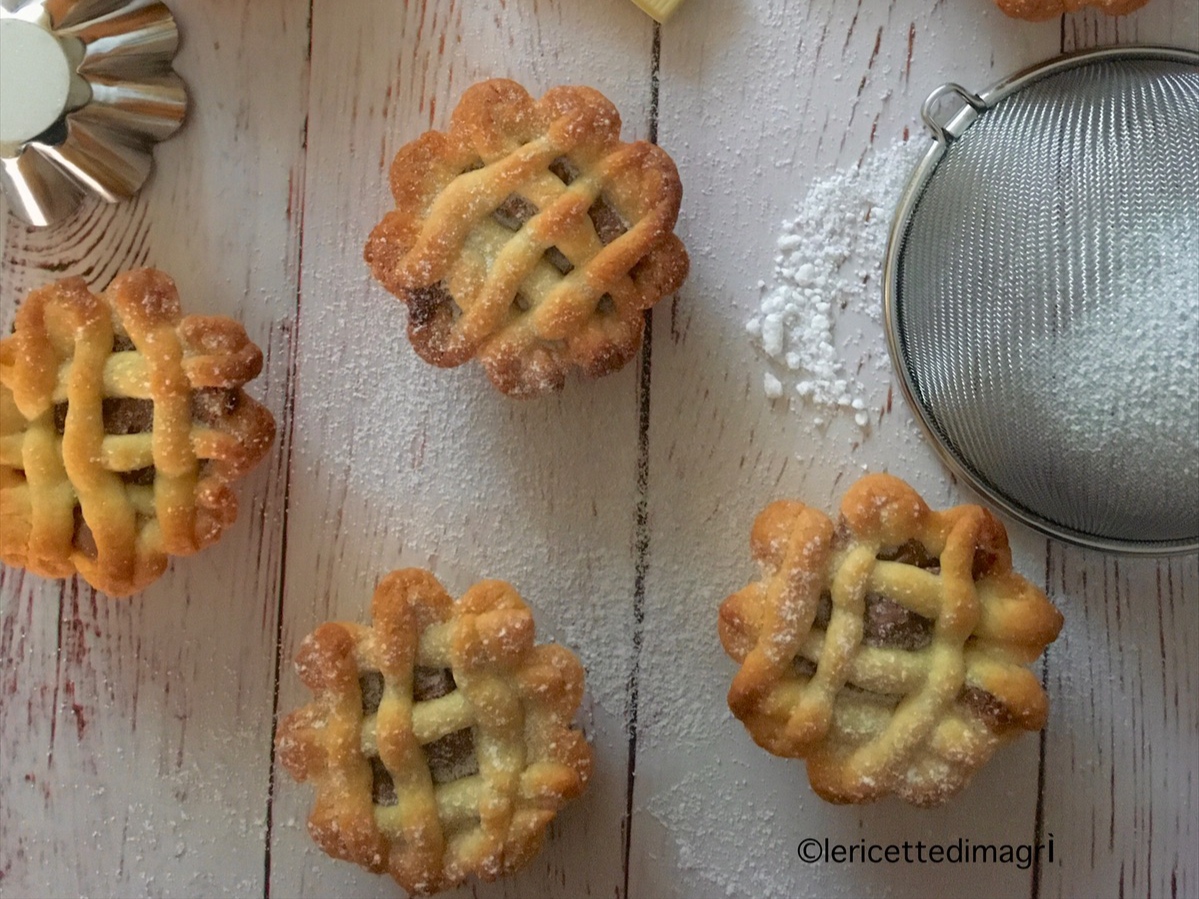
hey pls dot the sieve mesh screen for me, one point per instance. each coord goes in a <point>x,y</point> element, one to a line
<point>1046,301</point>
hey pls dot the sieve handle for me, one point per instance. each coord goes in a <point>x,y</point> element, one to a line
<point>939,131</point>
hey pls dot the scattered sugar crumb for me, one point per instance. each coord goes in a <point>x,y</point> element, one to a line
<point>819,319</point>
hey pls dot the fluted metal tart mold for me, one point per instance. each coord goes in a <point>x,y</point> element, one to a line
<point>123,97</point>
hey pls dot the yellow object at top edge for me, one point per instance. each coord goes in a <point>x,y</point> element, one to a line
<point>659,10</point>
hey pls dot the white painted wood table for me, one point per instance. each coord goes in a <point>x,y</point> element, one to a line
<point>135,735</point>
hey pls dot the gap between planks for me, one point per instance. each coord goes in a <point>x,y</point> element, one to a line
<point>641,527</point>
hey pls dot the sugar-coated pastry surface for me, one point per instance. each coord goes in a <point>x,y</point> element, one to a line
<point>1040,10</point>
<point>530,237</point>
<point>123,424</point>
<point>439,738</point>
<point>891,649</point>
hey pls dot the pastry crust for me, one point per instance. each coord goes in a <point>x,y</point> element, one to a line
<point>1040,10</point>
<point>530,236</point>
<point>890,650</point>
<point>122,426</point>
<point>386,796</point>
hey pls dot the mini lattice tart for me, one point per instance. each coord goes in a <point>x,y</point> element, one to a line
<point>889,650</point>
<point>529,236</point>
<point>439,738</point>
<point>1040,10</point>
<point>122,425</point>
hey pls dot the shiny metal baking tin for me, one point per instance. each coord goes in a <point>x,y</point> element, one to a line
<point>86,90</point>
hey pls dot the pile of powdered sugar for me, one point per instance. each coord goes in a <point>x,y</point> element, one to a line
<point>818,322</point>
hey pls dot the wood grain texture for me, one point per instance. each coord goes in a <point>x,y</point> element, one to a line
<point>716,815</point>
<point>1120,791</point>
<point>134,741</point>
<point>757,100</point>
<point>1123,735</point>
<point>135,736</point>
<point>398,463</point>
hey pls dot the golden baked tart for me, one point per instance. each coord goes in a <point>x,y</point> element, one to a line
<point>530,236</point>
<point>1040,10</point>
<point>891,649</point>
<point>123,424</point>
<point>439,738</point>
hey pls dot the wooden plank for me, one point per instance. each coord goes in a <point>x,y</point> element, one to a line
<point>1121,798</point>
<point>1120,789</point>
<point>134,733</point>
<point>758,101</point>
<point>1167,23</point>
<point>397,463</point>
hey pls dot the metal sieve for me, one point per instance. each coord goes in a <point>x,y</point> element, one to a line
<point>1042,295</point>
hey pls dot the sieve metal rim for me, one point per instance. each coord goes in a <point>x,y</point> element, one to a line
<point>943,134</point>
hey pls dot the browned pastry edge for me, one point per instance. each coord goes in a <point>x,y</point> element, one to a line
<point>1041,10</point>
<point>997,611</point>
<point>488,633</point>
<point>411,257</point>
<point>228,432</point>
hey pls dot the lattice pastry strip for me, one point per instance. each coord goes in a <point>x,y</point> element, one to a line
<point>530,236</point>
<point>439,738</point>
<point>122,426</point>
<point>891,650</point>
<point>1040,10</point>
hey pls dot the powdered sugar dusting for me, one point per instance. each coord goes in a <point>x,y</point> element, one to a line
<point>1117,391</point>
<point>818,322</point>
<point>751,869</point>
<point>1146,381</point>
